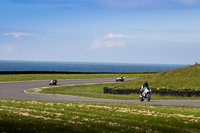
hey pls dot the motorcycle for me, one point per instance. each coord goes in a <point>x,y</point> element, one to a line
<point>53,82</point>
<point>146,95</point>
<point>120,79</point>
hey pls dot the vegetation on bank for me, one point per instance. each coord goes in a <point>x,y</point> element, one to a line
<point>42,116</point>
<point>45,117</point>
<point>29,77</point>
<point>96,91</point>
<point>181,78</point>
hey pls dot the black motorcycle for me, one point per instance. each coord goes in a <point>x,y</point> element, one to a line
<point>53,82</point>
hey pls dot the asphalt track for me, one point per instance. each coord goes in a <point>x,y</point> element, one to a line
<point>16,90</point>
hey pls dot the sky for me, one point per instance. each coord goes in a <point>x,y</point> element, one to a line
<point>111,31</point>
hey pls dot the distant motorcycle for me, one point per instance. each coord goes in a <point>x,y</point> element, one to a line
<point>53,82</point>
<point>120,79</point>
<point>146,95</point>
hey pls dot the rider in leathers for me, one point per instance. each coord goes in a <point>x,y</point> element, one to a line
<point>145,85</point>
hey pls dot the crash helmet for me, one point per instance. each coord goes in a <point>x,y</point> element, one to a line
<point>145,83</point>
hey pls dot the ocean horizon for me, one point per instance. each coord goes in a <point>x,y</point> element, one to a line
<point>15,65</point>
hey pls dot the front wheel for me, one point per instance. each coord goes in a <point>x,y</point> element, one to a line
<point>148,97</point>
<point>141,99</point>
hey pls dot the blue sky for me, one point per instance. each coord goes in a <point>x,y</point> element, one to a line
<point>120,31</point>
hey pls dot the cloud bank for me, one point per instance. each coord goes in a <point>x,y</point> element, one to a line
<point>111,40</point>
<point>17,34</point>
<point>102,43</point>
<point>112,35</point>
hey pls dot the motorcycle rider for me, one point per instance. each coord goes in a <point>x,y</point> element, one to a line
<point>145,85</point>
<point>53,82</point>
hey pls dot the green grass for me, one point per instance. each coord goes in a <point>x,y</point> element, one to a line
<point>37,116</point>
<point>186,77</point>
<point>96,91</point>
<point>28,77</point>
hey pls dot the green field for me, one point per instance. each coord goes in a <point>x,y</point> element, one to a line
<point>45,117</point>
<point>28,77</point>
<point>186,77</point>
<point>96,91</point>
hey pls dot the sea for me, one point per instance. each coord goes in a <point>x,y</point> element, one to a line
<point>8,65</point>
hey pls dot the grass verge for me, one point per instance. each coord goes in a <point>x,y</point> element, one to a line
<point>181,78</point>
<point>28,77</point>
<point>96,91</point>
<point>37,116</point>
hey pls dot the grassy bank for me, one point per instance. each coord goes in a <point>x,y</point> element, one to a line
<point>186,77</point>
<point>28,77</point>
<point>36,116</point>
<point>96,91</point>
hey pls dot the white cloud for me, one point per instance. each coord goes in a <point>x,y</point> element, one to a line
<point>102,43</point>
<point>17,34</point>
<point>112,35</point>
<point>111,40</point>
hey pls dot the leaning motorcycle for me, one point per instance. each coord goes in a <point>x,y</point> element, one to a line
<point>120,79</point>
<point>53,82</point>
<point>146,95</point>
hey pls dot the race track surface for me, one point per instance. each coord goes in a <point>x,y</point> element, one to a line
<point>15,90</point>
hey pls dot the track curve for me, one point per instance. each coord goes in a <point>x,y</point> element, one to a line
<point>15,90</point>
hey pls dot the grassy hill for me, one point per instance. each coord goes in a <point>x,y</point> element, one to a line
<point>186,77</point>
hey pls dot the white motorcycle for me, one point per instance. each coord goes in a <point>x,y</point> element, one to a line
<point>120,79</point>
<point>146,95</point>
<point>53,82</point>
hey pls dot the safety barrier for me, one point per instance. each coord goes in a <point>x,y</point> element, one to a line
<point>162,92</point>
